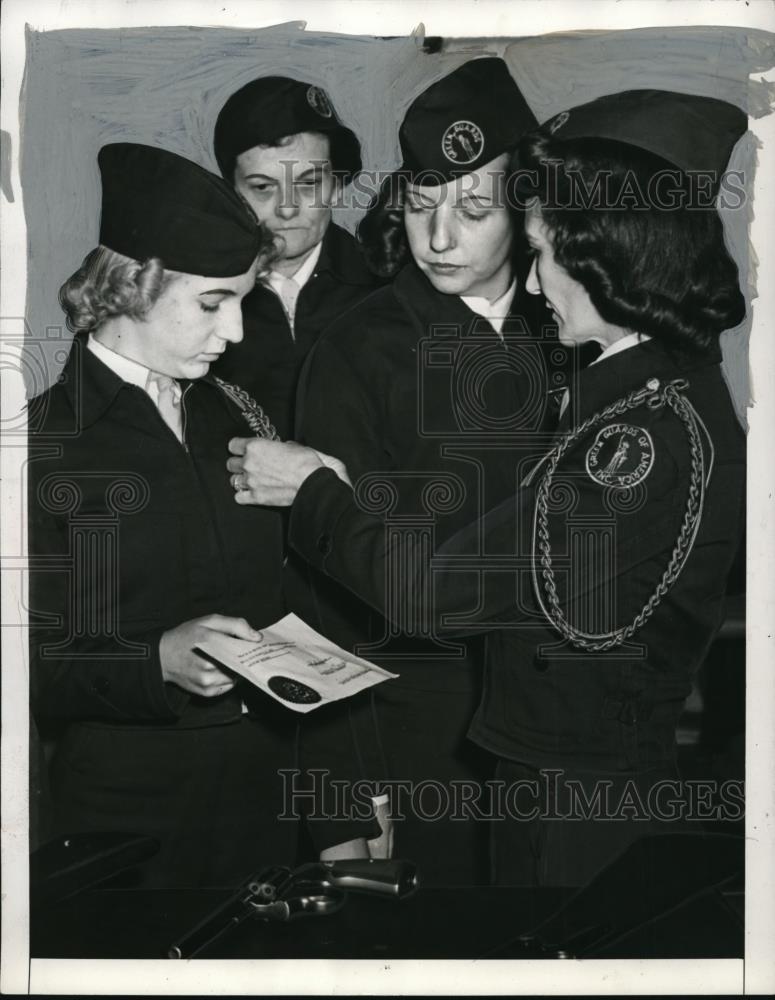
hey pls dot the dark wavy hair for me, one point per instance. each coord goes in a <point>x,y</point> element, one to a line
<point>381,232</point>
<point>653,265</point>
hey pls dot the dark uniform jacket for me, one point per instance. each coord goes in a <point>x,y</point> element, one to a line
<point>267,361</point>
<point>102,457</point>
<point>615,508</point>
<point>430,410</point>
<point>131,534</point>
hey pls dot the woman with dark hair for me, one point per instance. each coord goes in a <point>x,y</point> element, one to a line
<point>630,522</point>
<point>661,269</point>
<point>638,509</point>
<point>416,388</point>
<point>382,231</point>
<point>281,144</point>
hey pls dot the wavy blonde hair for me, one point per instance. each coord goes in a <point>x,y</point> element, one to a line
<point>109,284</point>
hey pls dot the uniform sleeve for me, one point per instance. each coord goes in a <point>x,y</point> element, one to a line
<point>358,551</point>
<point>75,675</point>
<point>598,535</point>
<point>338,408</point>
<point>339,413</point>
<point>607,535</point>
<point>605,546</point>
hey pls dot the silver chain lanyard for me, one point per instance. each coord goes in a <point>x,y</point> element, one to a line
<point>654,396</point>
<point>257,420</point>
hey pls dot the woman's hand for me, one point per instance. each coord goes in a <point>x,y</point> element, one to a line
<point>271,472</point>
<point>182,666</point>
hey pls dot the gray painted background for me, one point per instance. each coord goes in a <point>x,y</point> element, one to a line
<point>165,86</point>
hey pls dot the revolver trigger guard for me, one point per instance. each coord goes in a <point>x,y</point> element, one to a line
<point>278,910</point>
<point>314,903</point>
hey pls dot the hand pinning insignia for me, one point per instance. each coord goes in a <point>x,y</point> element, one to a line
<point>622,456</point>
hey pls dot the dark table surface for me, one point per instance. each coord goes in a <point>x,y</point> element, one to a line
<point>121,922</point>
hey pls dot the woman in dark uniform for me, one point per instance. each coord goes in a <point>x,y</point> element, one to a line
<point>421,389</point>
<point>138,553</point>
<point>630,522</point>
<point>280,143</point>
<point>638,508</point>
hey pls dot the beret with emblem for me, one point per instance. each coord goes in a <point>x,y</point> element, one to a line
<point>463,121</point>
<point>159,204</point>
<point>273,107</point>
<point>694,133</point>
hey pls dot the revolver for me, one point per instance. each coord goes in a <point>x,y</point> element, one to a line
<point>282,894</point>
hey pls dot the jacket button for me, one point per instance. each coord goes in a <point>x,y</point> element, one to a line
<point>324,544</point>
<point>101,685</point>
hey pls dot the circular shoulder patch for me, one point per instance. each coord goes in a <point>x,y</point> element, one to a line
<point>291,690</point>
<point>622,455</point>
<point>463,142</point>
<point>318,101</point>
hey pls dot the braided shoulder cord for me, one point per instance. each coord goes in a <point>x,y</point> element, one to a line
<point>257,420</point>
<point>654,396</point>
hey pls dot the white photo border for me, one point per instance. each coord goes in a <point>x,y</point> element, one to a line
<point>439,17</point>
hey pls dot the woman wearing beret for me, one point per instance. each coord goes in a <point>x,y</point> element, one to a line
<point>422,389</point>
<point>629,523</point>
<point>139,552</point>
<point>280,143</point>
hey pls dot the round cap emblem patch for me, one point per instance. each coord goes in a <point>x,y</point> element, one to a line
<point>318,101</point>
<point>621,456</point>
<point>463,142</point>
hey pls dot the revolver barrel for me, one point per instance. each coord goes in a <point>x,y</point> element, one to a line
<point>256,897</point>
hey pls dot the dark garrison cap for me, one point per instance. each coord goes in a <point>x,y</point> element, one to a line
<point>158,204</point>
<point>272,107</point>
<point>693,133</point>
<point>464,121</point>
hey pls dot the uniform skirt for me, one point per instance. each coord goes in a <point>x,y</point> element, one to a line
<point>212,796</point>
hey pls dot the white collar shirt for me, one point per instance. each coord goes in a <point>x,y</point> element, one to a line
<point>495,311</point>
<point>629,340</point>
<point>144,378</point>
<point>126,369</point>
<point>287,289</point>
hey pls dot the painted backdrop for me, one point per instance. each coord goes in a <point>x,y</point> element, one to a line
<point>165,86</point>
